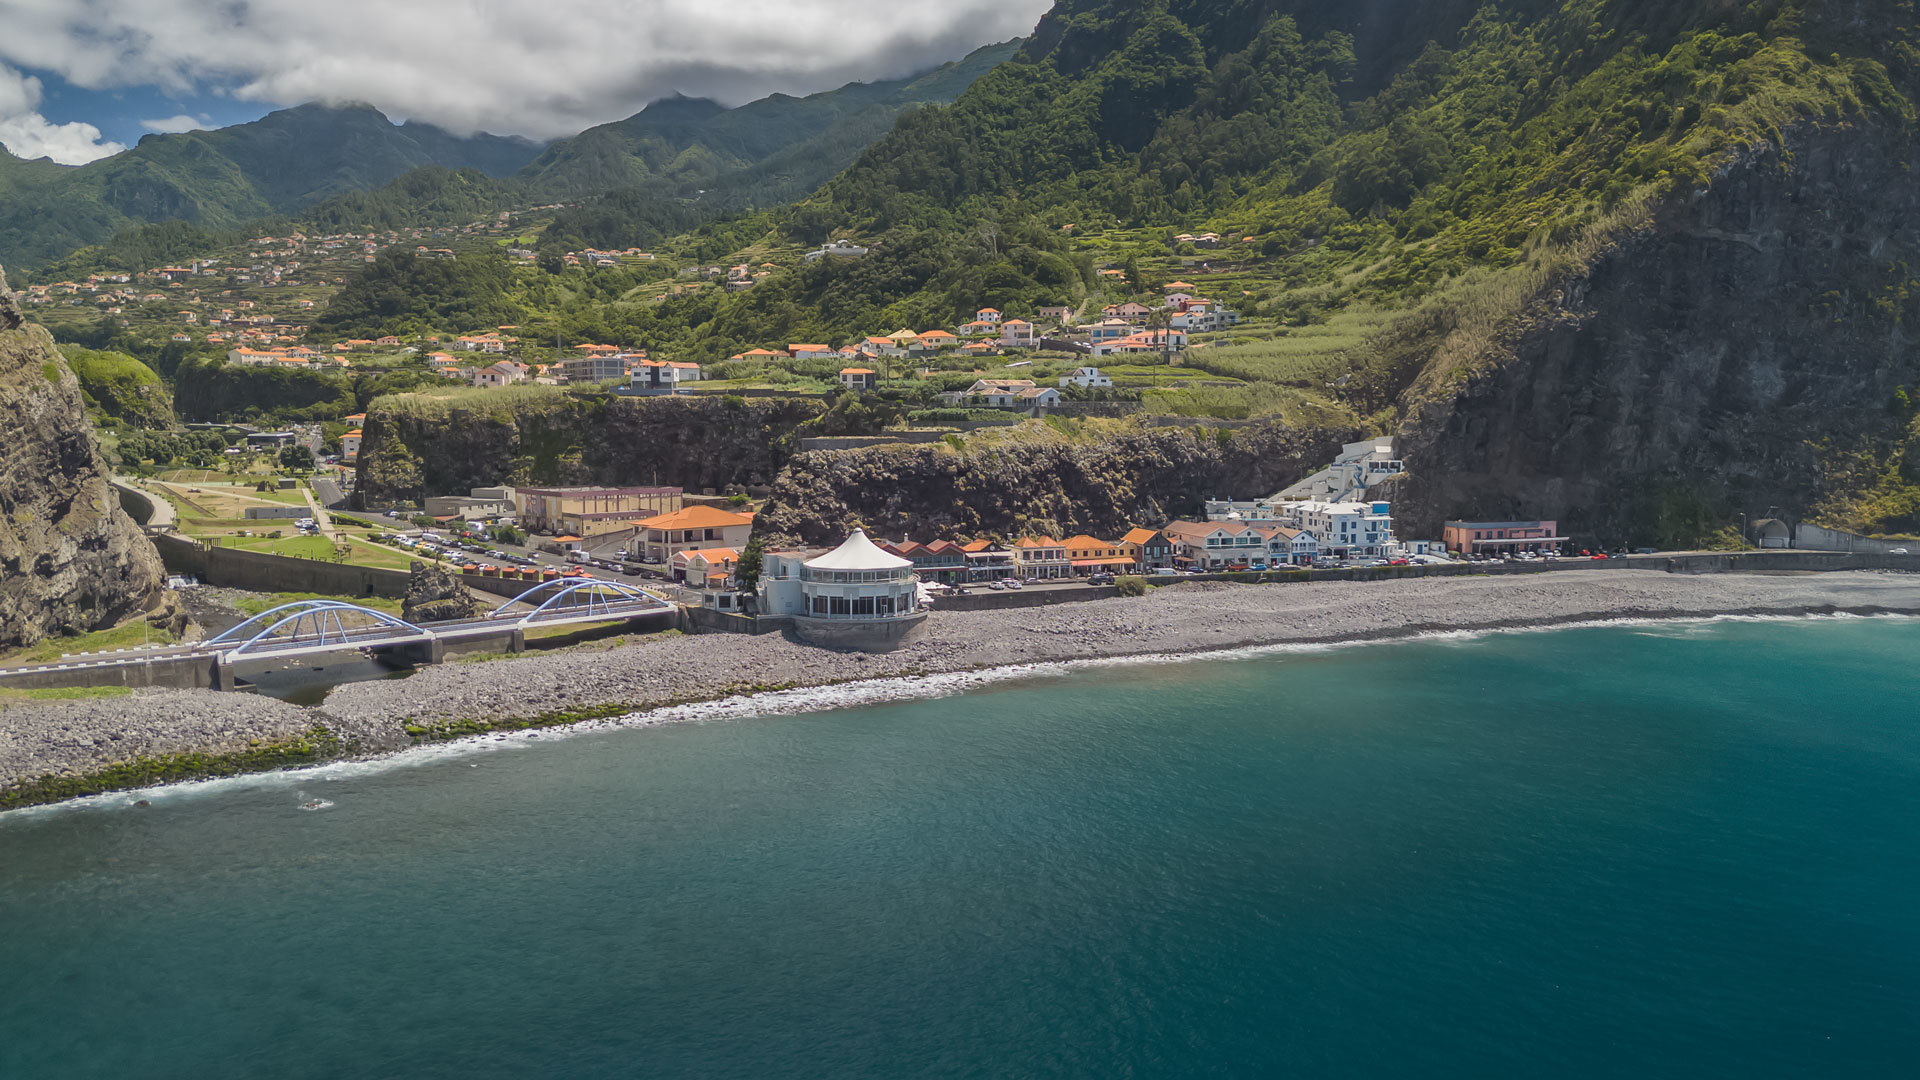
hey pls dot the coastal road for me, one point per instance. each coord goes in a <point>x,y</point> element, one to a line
<point>328,489</point>
<point>320,517</point>
<point>163,518</point>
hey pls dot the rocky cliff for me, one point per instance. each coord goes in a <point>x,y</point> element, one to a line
<point>1034,481</point>
<point>1749,349</point>
<point>70,559</point>
<point>416,447</point>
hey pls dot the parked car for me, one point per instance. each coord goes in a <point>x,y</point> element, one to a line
<point>1898,551</point>
<point>997,586</point>
<point>1100,579</point>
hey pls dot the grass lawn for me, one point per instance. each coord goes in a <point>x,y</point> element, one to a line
<point>62,693</point>
<point>255,604</point>
<point>128,635</point>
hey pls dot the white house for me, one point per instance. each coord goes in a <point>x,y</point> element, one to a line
<point>500,373</point>
<point>1087,378</point>
<point>1358,466</point>
<point>1017,334</point>
<point>1216,545</point>
<point>855,596</point>
<point>1202,317</point>
<point>1345,528</point>
<point>1288,546</point>
<point>844,248</point>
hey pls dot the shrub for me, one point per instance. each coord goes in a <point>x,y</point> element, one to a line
<point>1130,585</point>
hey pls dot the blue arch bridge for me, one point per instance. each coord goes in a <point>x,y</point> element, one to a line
<point>307,628</point>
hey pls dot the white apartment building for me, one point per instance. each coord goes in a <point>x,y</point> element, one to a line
<point>1345,528</point>
<point>1359,466</point>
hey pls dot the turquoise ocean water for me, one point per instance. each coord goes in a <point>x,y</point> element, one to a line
<point>1678,850</point>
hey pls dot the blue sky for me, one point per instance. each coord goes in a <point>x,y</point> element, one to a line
<point>81,79</point>
<point>122,114</point>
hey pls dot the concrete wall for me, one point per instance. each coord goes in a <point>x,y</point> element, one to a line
<point>859,442</point>
<point>257,571</point>
<point>177,673</point>
<point>983,599</point>
<point>1818,538</point>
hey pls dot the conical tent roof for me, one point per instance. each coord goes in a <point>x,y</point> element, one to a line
<point>857,553</point>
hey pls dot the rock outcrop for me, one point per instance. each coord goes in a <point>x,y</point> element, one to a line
<point>71,560</point>
<point>1014,483</point>
<point>435,594</point>
<point>704,442</point>
<point>1743,352</point>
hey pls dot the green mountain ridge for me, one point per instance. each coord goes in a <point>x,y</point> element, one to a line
<point>688,143</point>
<point>347,167</point>
<point>276,165</point>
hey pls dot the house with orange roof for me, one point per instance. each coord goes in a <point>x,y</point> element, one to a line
<point>1148,548</point>
<point>987,315</point>
<point>661,537</point>
<point>881,346</point>
<point>1041,557</point>
<point>759,354</point>
<point>1090,555</point>
<point>935,339</point>
<point>350,445</point>
<point>1017,334</point>
<point>858,378</point>
<point>705,568</point>
<point>987,560</point>
<point>811,352</point>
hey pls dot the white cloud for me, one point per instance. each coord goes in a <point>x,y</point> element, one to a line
<point>175,124</point>
<point>530,67</point>
<point>25,133</point>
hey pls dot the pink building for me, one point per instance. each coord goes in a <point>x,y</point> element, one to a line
<point>1502,537</point>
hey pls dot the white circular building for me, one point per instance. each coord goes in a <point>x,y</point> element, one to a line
<point>857,597</point>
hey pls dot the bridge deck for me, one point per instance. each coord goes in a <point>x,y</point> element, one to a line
<point>369,637</point>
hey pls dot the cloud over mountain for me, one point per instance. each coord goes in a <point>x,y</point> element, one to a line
<point>25,133</point>
<point>523,67</point>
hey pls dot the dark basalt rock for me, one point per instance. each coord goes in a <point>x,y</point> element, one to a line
<point>71,560</point>
<point>436,594</point>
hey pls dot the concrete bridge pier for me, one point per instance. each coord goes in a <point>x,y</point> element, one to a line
<point>412,654</point>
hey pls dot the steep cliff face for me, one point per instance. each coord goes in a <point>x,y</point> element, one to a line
<point>1743,352</point>
<point>417,448</point>
<point>1010,485</point>
<point>70,559</point>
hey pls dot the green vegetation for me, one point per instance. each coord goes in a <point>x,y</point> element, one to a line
<point>130,634</point>
<point>220,180</point>
<point>120,388</point>
<point>254,604</point>
<point>316,745</point>
<point>1130,585</point>
<point>10,696</point>
<point>404,293</point>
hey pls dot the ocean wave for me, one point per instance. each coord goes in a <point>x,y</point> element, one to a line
<point>865,692</point>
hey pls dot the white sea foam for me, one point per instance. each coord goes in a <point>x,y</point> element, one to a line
<point>818,699</point>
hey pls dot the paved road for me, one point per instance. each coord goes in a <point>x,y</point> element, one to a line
<point>320,517</point>
<point>329,491</point>
<point>163,515</point>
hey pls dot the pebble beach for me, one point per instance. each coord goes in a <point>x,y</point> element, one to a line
<point>82,737</point>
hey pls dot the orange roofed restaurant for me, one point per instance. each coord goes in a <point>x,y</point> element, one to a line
<point>695,528</point>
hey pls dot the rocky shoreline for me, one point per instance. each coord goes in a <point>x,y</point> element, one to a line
<point>54,750</point>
